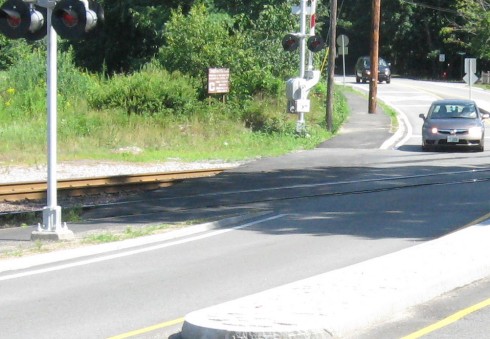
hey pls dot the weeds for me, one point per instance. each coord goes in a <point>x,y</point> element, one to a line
<point>129,233</point>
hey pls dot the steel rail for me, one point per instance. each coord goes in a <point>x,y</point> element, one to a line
<point>36,190</point>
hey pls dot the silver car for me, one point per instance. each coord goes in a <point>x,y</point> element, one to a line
<point>453,122</point>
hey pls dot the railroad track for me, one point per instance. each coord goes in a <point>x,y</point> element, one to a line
<point>36,190</point>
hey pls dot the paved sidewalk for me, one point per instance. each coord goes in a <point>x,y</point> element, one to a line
<point>362,129</point>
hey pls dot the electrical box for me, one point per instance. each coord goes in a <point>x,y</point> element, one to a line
<point>298,106</point>
<point>295,88</point>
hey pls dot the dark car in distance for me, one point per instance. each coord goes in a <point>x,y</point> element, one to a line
<point>453,123</point>
<point>363,70</point>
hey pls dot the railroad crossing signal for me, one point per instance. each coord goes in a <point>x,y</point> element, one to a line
<point>290,42</point>
<point>74,19</point>
<point>19,19</point>
<point>71,19</point>
<point>315,43</point>
<point>32,20</point>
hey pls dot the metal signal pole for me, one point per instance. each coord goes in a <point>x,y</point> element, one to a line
<point>373,84</point>
<point>52,228</point>
<point>331,64</point>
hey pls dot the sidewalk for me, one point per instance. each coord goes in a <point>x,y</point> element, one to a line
<point>362,129</point>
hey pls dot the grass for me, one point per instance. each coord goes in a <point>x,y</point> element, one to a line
<point>113,135</point>
<point>129,232</point>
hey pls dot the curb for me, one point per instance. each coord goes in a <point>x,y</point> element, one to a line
<point>347,300</point>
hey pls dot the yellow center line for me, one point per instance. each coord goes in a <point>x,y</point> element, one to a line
<point>449,320</point>
<point>148,329</point>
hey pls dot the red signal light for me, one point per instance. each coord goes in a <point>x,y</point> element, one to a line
<point>14,20</point>
<point>76,19</point>
<point>69,18</point>
<point>290,42</point>
<point>19,19</point>
<point>315,43</point>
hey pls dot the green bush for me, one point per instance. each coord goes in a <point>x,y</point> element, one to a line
<point>266,119</point>
<point>25,86</point>
<point>148,92</point>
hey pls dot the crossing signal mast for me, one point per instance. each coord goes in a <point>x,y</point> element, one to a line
<point>297,89</point>
<point>33,20</point>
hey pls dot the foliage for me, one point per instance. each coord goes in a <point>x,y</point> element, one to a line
<point>14,50</point>
<point>470,32</point>
<point>130,36</point>
<point>197,41</point>
<point>150,91</point>
<point>255,57</point>
<point>412,34</point>
<point>25,95</point>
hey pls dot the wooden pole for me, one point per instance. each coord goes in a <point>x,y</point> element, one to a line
<point>331,64</point>
<point>373,84</point>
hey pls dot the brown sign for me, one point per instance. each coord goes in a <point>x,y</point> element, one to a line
<point>219,80</point>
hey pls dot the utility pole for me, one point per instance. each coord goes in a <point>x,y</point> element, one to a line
<point>373,84</point>
<point>331,64</point>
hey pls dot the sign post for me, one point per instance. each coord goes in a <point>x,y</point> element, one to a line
<point>470,69</point>
<point>343,42</point>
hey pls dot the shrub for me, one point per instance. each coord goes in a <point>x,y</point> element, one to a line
<point>261,118</point>
<point>148,92</point>
<point>26,83</point>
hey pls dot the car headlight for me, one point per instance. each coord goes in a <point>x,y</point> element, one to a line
<point>434,130</point>
<point>475,132</point>
<point>387,72</point>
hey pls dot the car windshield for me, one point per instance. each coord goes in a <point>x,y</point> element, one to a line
<point>382,63</point>
<point>453,111</point>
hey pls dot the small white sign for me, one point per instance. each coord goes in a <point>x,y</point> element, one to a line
<point>470,78</point>
<point>470,65</point>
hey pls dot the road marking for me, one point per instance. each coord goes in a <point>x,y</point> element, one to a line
<point>137,251</point>
<point>148,329</point>
<point>449,320</point>
<point>477,221</point>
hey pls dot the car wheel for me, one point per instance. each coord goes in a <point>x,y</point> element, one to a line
<point>426,147</point>
<point>388,80</point>
<point>358,80</point>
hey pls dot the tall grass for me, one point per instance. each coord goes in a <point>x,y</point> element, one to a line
<point>148,116</point>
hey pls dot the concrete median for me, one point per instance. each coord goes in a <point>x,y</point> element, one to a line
<point>341,302</point>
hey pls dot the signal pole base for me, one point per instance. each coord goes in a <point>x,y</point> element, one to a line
<point>52,236</point>
<point>52,229</point>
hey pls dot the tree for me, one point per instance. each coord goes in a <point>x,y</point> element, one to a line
<point>471,31</point>
<point>130,37</point>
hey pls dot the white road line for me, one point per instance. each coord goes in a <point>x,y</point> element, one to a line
<point>137,251</point>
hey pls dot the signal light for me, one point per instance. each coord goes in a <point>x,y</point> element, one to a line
<point>290,42</point>
<point>315,43</point>
<point>22,20</point>
<point>72,19</point>
<point>75,19</point>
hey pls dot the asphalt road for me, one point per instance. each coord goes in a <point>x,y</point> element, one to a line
<point>461,313</point>
<point>322,209</point>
